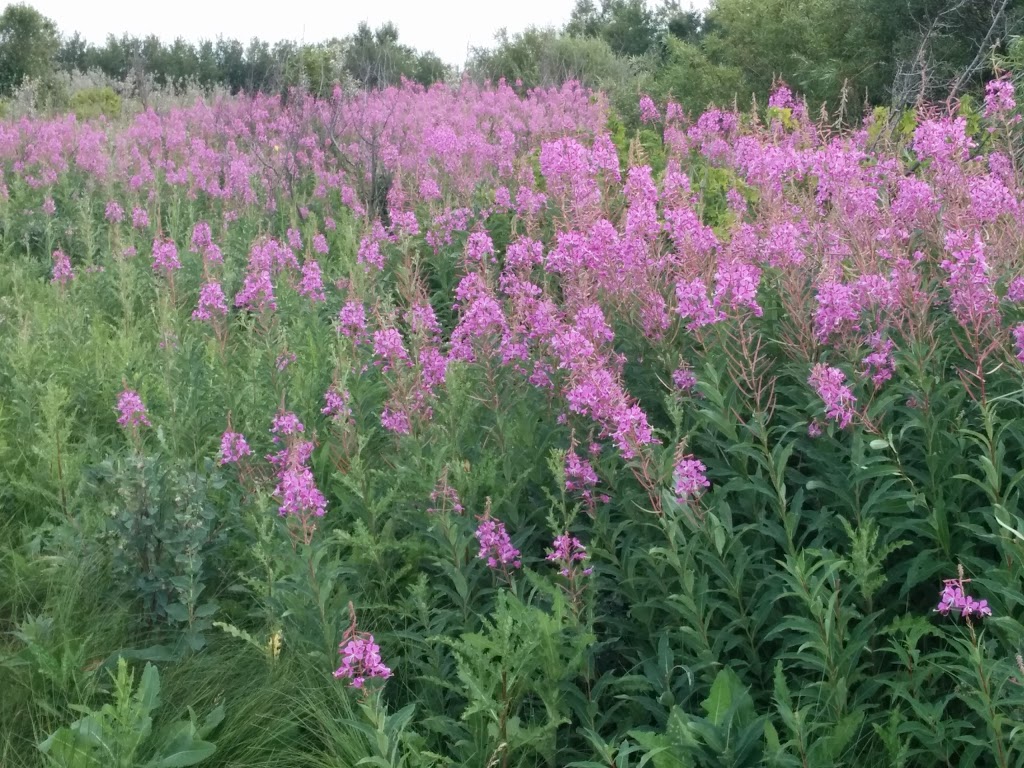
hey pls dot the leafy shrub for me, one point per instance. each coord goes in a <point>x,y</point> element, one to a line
<point>91,103</point>
<point>119,734</point>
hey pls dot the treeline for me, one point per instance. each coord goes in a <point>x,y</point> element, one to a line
<point>861,52</point>
<point>32,47</point>
<point>369,57</point>
<point>850,52</point>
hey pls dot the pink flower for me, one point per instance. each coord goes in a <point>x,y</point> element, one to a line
<point>648,110</point>
<point>285,424</point>
<point>690,478</point>
<point>360,659</point>
<point>567,552</point>
<point>140,218</point>
<point>131,410</point>
<point>202,237</point>
<point>1018,340</point>
<point>352,321</point>
<point>693,302</point>
<point>495,546</point>
<point>395,420</point>
<point>879,364</point>
<point>257,292</point>
<point>165,256</point>
<point>312,284</point>
<point>62,272</point>
<point>336,404</point>
<point>971,295</point>
<point>447,496</point>
<point>297,491</point>
<point>211,301</point>
<point>579,474</point>
<point>285,359</point>
<point>388,345</point>
<point>999,99</point>
<point>684,379</point>
<point>233,447</point>
<point>953,598</point>
<point>370,253</point>
<point>830,385</point>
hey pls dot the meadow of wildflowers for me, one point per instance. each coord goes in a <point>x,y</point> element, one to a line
<point>445,427</point>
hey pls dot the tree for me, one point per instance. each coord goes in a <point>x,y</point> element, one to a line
<point>816,46</point>
<point>73,53</point>
<point>429,69</point>
<point>690,78</point>
<point>376,59</point>
<point>938,47</point>
<point>630,27</point>
<point>686,25</point>
<point>231,65</point>
<point>29,43</point>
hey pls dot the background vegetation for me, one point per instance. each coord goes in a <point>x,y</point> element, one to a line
<point>854,52</point>
<point>518,424</point>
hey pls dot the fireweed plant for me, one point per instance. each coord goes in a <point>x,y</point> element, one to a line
<point>701,450</point>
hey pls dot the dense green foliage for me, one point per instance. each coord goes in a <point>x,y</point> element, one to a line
<point>858,51</point>
<point>778,441</point>
<point>835,52</point>
<point>28,44</point>
<point>610,433</point>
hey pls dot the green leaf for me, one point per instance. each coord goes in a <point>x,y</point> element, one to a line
<point>184,754</point>
<point>177,612</point>
<point>215,718</point>
<point>148,694</point>
<point>720,700</point>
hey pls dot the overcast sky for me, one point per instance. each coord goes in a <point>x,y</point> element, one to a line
<point>446,27</point>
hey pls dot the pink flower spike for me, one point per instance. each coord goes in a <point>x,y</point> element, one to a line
<point>131,410</point>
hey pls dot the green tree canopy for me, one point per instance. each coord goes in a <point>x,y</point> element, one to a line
<point>29,43</point>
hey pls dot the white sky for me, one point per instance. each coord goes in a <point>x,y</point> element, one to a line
<point>446,27</point>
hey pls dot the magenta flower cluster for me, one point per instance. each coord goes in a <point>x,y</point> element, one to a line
<point>954,599</point>
<point>568,553</point>
<point>131,411</point>
<point>830,384</point>
<point>296,488</point>
<point>62,272</point>
<point>495,545</point>
<point>361,659</point>
<point>211,302</point>
<point>165,256</point>
<point>690,478</point>
<point>336,404</point>
<point>233,447</point>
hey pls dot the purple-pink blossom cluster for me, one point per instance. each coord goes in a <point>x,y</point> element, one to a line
<point>495,545</point>
<point>830,385</point>
<point>296,488</point>
<point>1000,101</point>
<point>211,302</point>
<point>165,256</point>
<point>568,553</point>
<point>62,271</point>
<point>690,478</point>
<point>131,411</point>
<point>336,404</point>
<point>956,600</point>
<point>361,659</point>
<point>233,447</point>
